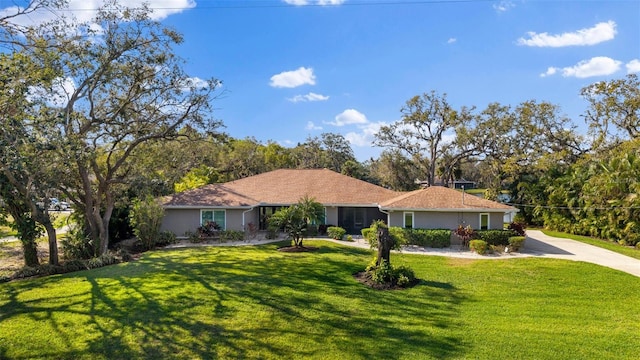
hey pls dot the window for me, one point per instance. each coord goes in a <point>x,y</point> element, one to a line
<point>484,221</point>
<point>217,216</point>
<point>408,220</point>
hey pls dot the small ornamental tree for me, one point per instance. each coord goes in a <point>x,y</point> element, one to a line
<point>294,219</point>
<point>146,218</point>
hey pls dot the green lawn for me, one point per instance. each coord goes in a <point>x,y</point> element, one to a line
<point>624,250</point>
<point>258,303</point>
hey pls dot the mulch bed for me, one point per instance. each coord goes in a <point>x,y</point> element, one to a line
<point>296,249</point>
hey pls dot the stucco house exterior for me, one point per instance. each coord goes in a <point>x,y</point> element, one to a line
<point>348,202</point>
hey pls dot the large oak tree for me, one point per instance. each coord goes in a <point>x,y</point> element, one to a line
<point>120,86</point>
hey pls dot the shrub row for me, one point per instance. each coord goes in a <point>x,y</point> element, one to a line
<point>108,258</point>
<point>222,235</point>
<point>434,238</point>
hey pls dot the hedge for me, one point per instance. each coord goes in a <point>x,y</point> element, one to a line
<point>434,238</point>
<point>495,237</point>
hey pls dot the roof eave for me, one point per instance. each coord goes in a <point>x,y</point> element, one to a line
<point>198,207</point>
<point>450,210</point>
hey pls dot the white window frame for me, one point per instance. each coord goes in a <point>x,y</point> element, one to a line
<point>488,215</point>
<point>404,219</point>
<point>214,216</point>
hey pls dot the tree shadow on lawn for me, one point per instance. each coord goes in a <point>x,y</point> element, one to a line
<point>201,303</point>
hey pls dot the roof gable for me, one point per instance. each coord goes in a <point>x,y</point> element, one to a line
<point>284,187</point>
<point>288,186</point>
<point>442,198</point>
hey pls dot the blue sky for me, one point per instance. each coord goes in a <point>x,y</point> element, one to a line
<point>293,69</point>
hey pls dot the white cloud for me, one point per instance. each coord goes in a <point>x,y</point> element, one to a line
<point>85,11</point>
<point>601,32</point>
<point>294,78</point>
<point>365,136</point>
<point>451,40</point>
<point>314,2</point>
<point>597,66</point>
<point>503,6</point>
<point>312,126</point>
<point>550,71</point>
<point>633,66</point>
<point>349,117</point>
<point>308,97</point>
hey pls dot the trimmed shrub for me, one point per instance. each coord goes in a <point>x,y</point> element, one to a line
<point>516,243</point>
<point>166,238</point>
<point>479,246</point>
<point>433,238</point>
<point>336,232</point>
<point>369,235</point>
<point>495,237</point>
<point>399,235</point>
<point>349,238</point>
<point>387,274</point>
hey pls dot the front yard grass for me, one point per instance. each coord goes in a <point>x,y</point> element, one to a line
<point>258,303</point>
<point>624,250</point>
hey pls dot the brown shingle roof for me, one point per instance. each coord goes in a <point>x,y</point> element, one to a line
<point>217,195</point>
<point>443,199</point>
<point>283,187</point>
<point>287,186</point>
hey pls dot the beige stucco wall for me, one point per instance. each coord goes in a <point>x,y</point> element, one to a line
<point>180,221</point>
<point>331,215</point>
<point>445,220</point>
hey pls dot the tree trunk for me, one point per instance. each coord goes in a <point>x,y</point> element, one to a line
<point>30,250</point>
<point>384,245</point>
<point>53,243</point>
<point>44,219</point>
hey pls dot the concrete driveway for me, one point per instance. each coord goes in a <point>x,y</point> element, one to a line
<point>540,245</point>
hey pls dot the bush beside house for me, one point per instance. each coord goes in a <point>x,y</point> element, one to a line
<point>433,238</point>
